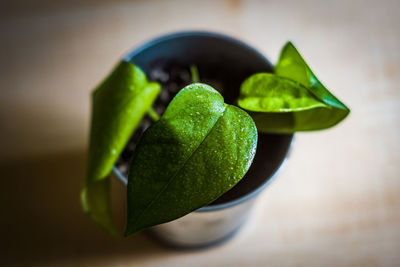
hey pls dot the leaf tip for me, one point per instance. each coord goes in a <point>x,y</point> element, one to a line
<point>131,229</point>
<point>288,44</point>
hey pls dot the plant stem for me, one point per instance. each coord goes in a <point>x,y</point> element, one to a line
<point>195,73</point>
<point>153,114</point>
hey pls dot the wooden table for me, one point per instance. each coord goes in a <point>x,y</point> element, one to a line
<point>336,204</point>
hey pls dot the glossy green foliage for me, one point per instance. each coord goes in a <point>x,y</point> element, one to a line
<point>292,99</point>
<point>199,149</point>
<point>266,92</point>
<point>119,104</point>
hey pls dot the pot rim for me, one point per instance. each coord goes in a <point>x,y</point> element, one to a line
<point>179,34</point>
<point>154,41</point>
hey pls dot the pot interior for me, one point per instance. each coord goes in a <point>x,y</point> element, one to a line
<point>224,63</point>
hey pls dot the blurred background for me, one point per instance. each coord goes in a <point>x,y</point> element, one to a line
<point>337,203</point>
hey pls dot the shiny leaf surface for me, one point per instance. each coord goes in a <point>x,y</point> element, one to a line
<point>199,149</point>
<point>292,99</point>
<point>119,104</point>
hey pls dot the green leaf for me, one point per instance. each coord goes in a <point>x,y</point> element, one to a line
<point>119,104</point>
<point>199,149</point>
<point>292,100</point>
<point>292,65</point>
<point>266,92</point>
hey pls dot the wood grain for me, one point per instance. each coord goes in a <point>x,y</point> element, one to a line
<point>337,203</point>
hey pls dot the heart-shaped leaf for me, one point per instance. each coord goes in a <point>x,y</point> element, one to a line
<point>199,149</point>
<point>119,104</point>
<point>292,100</point>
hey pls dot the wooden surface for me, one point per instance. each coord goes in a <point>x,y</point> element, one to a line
<point>336,204</point>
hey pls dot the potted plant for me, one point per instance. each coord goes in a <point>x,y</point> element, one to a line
<point>219,111</point>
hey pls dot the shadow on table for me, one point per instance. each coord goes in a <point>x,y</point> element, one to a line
<point>42,220</point>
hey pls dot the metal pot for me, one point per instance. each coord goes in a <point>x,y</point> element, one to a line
<point>228,62</point>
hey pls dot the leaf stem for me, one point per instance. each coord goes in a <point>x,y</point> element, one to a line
<point>153,114</point>
<point>195,73</point>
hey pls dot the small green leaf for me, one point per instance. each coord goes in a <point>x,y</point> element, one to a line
<point>266,92</point>
<point>292,65</point>
<point>119,104</point>
<point>292,100</point>
<point>199,149</point>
